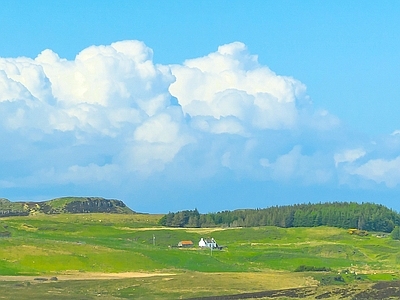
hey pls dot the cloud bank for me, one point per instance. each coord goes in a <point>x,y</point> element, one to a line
<point>113,118</point>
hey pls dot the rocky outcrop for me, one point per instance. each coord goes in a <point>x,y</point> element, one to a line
<point>8,208</point>
<point>95,205</point>
<point>72,205</point>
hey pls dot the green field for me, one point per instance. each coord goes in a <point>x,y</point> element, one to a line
<point>252,259</point>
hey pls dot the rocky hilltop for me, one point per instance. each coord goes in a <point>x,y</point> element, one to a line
<point>71,205</point>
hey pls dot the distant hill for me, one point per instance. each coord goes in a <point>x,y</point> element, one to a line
<point>72,205</point>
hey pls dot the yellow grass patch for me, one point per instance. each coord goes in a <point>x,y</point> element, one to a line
<point>308,243</point>
<point>94,217</point>
<point>231,283</point>
<point>27,227</point>
<point>192,230</point>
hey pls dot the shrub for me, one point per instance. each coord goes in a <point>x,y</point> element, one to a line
<point>304,268</point>
<point>5,234</point>
<point>332,280</point>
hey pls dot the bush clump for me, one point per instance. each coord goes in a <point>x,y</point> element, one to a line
<point>332,280</point>
<point>304,268</point>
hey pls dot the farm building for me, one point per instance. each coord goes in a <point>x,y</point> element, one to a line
<point>210,243</point>
<point>185,244</point>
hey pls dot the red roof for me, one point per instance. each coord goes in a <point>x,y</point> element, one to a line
<point>186,243</point>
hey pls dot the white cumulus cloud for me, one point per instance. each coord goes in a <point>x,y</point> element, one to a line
<point>349,155</point>
<point>112,115</point>
<point>381,171</point>
<point>231,83</point>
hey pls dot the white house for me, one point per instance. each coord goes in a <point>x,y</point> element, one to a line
<point>210,243</point>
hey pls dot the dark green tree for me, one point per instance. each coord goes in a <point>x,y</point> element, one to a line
<point>396,233</point>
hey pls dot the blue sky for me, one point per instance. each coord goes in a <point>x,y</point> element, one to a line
<point>172,105</point>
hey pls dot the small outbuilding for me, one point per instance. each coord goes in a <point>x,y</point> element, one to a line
<point>185,244</point>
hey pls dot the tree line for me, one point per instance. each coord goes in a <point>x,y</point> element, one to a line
<point>363,216</point>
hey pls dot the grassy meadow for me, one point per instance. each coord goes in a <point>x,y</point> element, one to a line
<point>252,259</point>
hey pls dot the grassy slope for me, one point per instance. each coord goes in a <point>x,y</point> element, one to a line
<point>116,243</point>
<point>50,245</point>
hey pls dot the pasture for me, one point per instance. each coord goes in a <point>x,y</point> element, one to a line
<point>82,250</point>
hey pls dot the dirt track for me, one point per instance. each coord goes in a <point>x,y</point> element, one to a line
<point>84,276</point>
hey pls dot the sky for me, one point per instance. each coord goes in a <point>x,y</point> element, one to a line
<point>214,105</point>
